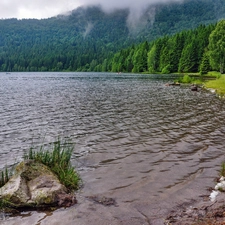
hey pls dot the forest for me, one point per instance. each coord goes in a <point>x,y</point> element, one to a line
<point>166,38</point>
<point>198,50</point>
<point>187,51</point>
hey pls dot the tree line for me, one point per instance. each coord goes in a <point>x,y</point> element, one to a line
<point>89,39</point>
<point>198,50</point>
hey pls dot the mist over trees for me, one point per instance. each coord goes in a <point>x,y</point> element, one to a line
<point>91,40</point>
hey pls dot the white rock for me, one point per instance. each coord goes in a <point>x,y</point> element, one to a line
<point>213,195</point>
<point>220,186</point>
<point>212,90</point>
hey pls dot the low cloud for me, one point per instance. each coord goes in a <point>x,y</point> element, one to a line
<point>48,8</point>
<point>88,29</point>
<point>35,8</point>
<point>138,16</point>
<point>109,6</point>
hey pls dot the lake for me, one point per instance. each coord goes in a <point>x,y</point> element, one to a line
<point>147,146</point>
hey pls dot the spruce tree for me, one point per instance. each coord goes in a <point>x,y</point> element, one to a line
<point>217,47</point>
<point>205,64</point>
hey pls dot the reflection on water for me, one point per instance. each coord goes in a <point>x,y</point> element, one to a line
<point>130,130</point>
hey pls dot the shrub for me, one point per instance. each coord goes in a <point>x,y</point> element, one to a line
<point>186,79</point>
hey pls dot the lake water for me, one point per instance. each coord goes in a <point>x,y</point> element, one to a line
<point>148,146</point>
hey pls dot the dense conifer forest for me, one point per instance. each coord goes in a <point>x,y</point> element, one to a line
<point>166,38</point>
<point>187,51</point>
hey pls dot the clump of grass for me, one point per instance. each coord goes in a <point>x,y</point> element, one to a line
<point>214,74</point>
<point>58,160</point>
<point>186,79</point>
<point>222,171</point>
<point>4,178</point>
<point>218,84</point>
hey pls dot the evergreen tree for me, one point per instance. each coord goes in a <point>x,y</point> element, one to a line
<point>217,47</point>
<point>205,64</point>
<point>176,50</point>
<point>129,62</point>
<point>189,58</point>
<point>140,58</point>
<point>152,61</point>
<point>165,65</point>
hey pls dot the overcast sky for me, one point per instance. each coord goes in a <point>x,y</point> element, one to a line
<point>48,8</point>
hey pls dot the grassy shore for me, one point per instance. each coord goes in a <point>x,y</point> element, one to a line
<point>212,80</point>
<point>218,85</point>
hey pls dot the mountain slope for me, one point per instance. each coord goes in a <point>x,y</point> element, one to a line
<point>86,37</point>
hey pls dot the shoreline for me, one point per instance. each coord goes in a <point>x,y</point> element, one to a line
<point>209,210</point>
<point>201,213</point>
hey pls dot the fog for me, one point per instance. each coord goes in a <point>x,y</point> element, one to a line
<point>133,5</point>
<point>48,8</point>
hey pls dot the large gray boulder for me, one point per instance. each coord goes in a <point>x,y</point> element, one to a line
<point>34,185</point>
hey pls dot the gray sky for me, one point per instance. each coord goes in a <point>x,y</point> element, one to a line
<point>48,8</point>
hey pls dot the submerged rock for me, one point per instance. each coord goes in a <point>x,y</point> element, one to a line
<point>34,185</point>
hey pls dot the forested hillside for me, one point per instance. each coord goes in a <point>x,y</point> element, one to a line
<point>88,38</point>
<point>198,50</point>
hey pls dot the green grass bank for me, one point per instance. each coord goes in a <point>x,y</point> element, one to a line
<point>218,85</point>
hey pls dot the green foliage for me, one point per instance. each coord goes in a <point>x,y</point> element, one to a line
<point>186,79</point>
<point>218,84</point>
<point>189,61</point>
<point>58,160</point>
<point>222,171</point>
<point>79,41</point>
<point>183,52</point>
<point>140,58</point>
<point>214,74</point>
<point>218,76</point>
<point>152,61</point>
<point>5,175</point>
<point>205,64</point>
<point>6,206</point>
<point>87,39</point>
<point>166,70</point>
<point>217,47</point>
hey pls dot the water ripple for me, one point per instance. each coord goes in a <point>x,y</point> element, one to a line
<point>128,129</point>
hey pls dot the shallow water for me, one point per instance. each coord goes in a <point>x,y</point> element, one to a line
<point>148,146</point>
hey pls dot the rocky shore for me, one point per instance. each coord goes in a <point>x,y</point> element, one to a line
<point>199,213</point>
